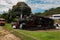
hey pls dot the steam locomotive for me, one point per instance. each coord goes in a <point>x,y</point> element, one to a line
<point>35,22</point>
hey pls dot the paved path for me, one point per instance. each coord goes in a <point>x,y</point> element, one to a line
<point>5,35</point>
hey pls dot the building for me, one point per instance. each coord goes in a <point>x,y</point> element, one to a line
<point>55,16</point>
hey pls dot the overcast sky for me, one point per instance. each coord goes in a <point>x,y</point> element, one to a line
<point>36,5</point>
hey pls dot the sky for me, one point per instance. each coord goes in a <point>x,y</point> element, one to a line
<point>36,5</point>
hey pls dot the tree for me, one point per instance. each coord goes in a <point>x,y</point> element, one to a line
<point>17,10</point>
<point>7,16</point>
<point>0,15</point>
<point>52,11</point>
<point>21,8</point>
<point>38,14</point>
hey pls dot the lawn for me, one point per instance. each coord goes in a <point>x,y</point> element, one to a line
<point>34,35</point>
<point>42,35</point>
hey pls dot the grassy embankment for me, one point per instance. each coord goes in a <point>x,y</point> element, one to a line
<point>16,32</point>
<point>34,35</point>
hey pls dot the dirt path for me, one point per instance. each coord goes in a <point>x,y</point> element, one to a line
<point>5,35</point>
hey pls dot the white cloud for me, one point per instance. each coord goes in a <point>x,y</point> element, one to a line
<point>3,9</point>
<point>48,1</point>
<point>46,4</point>
<point>15,1</point>
<point>7,4</point>
<point>52,1</point>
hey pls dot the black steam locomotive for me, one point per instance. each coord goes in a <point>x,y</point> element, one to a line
<point>36,22</point>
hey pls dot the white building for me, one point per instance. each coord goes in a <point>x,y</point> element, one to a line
<point>55,16</point>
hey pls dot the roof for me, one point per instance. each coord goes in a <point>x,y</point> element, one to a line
<point>56,15</point>
<point>2,19</point>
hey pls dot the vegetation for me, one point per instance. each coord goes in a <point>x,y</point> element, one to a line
<point>33,35</point>
<point>19,34</point>
<point>23,8</point>
<point>29,35</point>
<point>0,15</point>
<point>16,11</point>
<point>50,12</point>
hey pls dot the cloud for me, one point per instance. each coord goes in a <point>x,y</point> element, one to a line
<point>5,5</point>
<point>43,4</point>
<point>52,1</point>
<point>44,1</point>
<point>36,5</point>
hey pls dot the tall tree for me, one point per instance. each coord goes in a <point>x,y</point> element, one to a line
<point>17,10</point>
<point>21,8</point>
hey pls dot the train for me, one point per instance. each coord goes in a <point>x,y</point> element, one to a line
<point>34,23</point>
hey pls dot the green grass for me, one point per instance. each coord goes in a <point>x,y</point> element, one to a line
<point>43,35</point>
<point>34,35</point>
<point>17,33</point>
<point>8,27</point>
